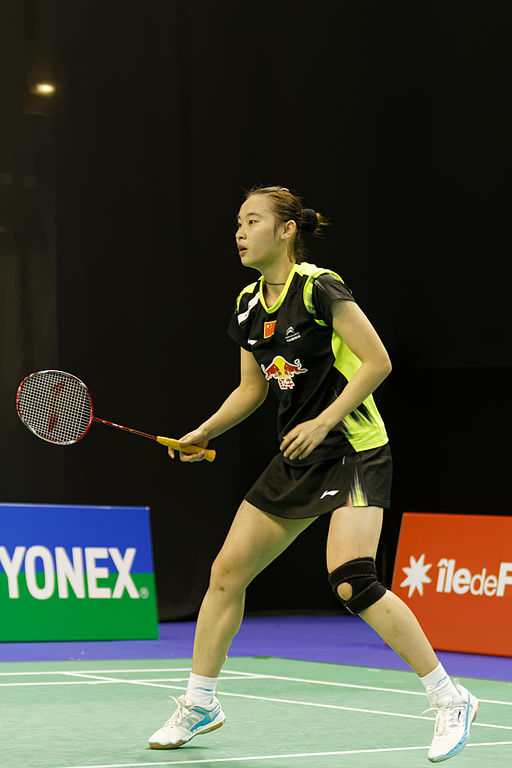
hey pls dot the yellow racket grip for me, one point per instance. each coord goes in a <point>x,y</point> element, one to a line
<point>209,453</point>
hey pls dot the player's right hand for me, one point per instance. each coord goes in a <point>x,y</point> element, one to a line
<point>196,437</point>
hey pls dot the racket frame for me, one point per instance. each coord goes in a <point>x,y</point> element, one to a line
<point>41,437</point>
<point>169,442</point>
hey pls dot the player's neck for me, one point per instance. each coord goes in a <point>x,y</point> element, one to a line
<point>272,294</point>
<point>275,276</point>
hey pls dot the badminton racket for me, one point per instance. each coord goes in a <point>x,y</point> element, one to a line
<point>57,407</point>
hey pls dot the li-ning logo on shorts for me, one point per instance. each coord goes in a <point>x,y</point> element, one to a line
<point>283,371</point>
<point>329,493</point>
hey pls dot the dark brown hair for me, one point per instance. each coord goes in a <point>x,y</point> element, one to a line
<point>288,206</point>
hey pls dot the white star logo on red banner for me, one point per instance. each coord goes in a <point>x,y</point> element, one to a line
<point>416,575</point>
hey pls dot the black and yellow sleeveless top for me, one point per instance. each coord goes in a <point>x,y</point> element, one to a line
<point>303,358</point>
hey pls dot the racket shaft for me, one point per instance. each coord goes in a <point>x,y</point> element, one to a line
<point>209,454</point>
<point>126,429</point>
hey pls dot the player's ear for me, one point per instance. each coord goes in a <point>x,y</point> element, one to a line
<point>289,229</point>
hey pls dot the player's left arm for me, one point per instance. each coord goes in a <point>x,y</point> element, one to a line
<point>349,322</point>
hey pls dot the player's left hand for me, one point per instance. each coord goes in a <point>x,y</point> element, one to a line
<point>303,439</point>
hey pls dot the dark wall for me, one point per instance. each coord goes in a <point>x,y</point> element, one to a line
<point>117,259</point>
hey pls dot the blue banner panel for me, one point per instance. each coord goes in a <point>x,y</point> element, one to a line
<point>76,573</point>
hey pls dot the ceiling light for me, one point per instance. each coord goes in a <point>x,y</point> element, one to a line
<point>43,89</point>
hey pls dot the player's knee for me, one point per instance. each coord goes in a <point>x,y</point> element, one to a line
<point>225,577</point>
<point>356,584</point>
<point>344,591</point>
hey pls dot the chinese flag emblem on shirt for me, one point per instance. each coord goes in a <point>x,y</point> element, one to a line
<point>269,328</point>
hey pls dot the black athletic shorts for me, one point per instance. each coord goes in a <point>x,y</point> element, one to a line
<point>298,492</point>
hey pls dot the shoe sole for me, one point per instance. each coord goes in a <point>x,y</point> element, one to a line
<point>156,745</point>
<point>452,754</point>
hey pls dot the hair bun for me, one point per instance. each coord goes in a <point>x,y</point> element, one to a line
<point>309,220</point>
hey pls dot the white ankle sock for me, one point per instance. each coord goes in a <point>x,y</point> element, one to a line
<point>438,684</point>
<point>201,690</point>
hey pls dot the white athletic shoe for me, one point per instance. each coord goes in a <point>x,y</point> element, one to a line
<point>186,722</point>
<point>453,722</point>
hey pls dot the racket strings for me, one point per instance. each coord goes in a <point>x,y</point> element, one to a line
<point>56,407</point>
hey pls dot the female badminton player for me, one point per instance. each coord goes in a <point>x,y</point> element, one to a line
<point>302,334</point>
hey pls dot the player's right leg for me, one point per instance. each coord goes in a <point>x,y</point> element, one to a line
<point>254,540</point>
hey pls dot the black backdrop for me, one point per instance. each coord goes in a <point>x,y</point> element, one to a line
<point>117,261</point>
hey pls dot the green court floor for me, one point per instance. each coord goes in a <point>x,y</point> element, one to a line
<point>280,714</point>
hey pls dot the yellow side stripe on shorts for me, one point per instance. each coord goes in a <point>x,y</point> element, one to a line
<point>357,492</point>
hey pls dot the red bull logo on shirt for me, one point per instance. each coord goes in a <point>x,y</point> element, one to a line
<point>283,371</point>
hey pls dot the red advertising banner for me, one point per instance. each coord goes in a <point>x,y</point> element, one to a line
<point>455,573</point>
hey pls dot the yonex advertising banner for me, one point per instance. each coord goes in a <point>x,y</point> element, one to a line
<point>455,573</point>
<point>76,573</point>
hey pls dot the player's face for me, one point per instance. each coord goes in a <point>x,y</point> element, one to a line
<point>257,241</point>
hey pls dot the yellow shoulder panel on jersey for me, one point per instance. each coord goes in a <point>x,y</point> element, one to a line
<point>312,272</point>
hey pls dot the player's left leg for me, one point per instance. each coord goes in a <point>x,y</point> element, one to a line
<point>351,549</point>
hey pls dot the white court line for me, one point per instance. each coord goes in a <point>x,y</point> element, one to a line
<point>240,675</point>
<point>57,682</point>
<point>363,687</point>
<point>97,671</point>
<point>367,687</point>
<point>278,757</point>
<point>106,681</point>
<point>289,701</point>
<point>233,675</point>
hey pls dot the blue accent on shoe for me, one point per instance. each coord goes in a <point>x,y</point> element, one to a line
<point>465,735</point>
<point>208,718</point>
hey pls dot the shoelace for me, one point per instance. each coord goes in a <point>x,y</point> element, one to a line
<point>180,712</point>
<point>447,715</point>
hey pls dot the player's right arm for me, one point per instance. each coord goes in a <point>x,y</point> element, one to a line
<point>244,400</point>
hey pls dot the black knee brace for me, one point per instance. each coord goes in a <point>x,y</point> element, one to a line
<point>361,574</point>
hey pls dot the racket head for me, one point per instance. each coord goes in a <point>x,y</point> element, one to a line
<point>55,406</point>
